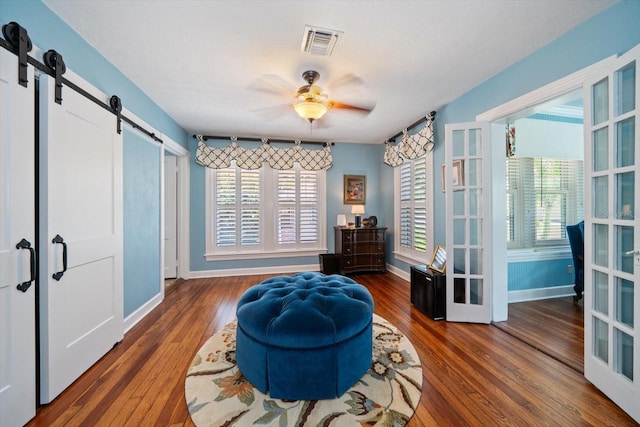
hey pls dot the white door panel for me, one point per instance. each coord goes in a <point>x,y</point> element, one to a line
<point>81,201</point>
<point>17,222</point>
<point>170,217</point>
<point>612,232</point>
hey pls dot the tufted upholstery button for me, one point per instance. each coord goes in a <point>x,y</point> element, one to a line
<point>306,336</point>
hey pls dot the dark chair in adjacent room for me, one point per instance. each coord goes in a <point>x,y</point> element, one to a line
<point>575,233</point>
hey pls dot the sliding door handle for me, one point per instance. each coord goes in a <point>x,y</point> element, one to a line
<point>25,244</point>
<point>59,240</point>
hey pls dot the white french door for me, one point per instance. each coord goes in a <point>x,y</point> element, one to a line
<point>81,279</point>
<point>17,245</point>
<point>612,233</point>
<point>467,182</point>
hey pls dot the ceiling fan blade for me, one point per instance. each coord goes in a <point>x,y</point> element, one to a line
<point>273,84</point>
<point>363,109</point>
<point>274,110</point>
<point>345,83</point>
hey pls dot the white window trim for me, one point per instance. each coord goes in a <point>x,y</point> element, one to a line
<point>269,250</point>
<point>411,256</point>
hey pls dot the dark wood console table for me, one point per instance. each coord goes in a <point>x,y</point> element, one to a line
<point>361,249</point>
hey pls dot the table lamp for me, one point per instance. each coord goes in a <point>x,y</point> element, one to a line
<point>358,210</point>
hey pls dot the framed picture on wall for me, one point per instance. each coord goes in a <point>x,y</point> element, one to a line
<point>458,175</point>
<point>355,189</point>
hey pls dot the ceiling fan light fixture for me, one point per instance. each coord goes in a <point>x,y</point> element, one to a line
<point>310,110</point>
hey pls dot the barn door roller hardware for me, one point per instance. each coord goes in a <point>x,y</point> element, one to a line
<point>16,40</point>
<point>116,106</point>
<point>54,61</point>
<point>21,45</point>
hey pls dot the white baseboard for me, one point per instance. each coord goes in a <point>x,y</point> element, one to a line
<point>140,313</point>
<point>400,273</point>
<point>541,293</point>
<point>251,271</point>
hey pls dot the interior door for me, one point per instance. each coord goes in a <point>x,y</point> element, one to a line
<point>17,245</point>
<point>81,295</point>
<point>466,177</point>
<point>612,233</point>
<point>170,217</point>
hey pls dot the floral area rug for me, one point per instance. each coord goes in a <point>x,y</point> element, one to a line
<point>217,393</point>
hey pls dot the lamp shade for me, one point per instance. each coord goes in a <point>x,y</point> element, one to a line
<point>342,220</point>
<point>357,209</point>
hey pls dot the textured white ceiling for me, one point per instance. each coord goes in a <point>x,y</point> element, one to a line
<point>199,59</point>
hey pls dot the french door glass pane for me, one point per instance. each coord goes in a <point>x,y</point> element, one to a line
<point>601,101</point>
<point>459,288</point>
<point>627,89</point>
<point>458,143</point>
<point>600,340</point>
<point>601,149</point>
<point>475,172</point>
<point>475,142</point>
<point>458,203</point>
<point>475,231</point>
<point>475,201</point>
<point>625,142</point>
<point>624,353</point>
<point>624,301</point>
<point>475,261</point>
<point>624,195</point>
<point>601,245</point>
<point>459,235</point>
<point>600,186</point>
<point>624,244</point>
<point>600,292</point>
<point>459,261</point>
<point>475,291</point>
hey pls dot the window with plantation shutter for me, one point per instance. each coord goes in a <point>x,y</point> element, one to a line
<point>414,211</point>
<point>265,213</point>
<point>543,197</point>
<point>297,200</point>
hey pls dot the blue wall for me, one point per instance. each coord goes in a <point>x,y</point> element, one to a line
<point>348,159</point>
<point>612,32</point>
<point>141,158</point>
<point>141,220</point>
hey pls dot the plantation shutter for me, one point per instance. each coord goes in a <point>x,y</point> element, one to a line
<point>297,200</point>
<point>413,208</point>
<point>237,224</point>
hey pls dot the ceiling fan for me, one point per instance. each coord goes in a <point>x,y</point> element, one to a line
<point>311,101</point>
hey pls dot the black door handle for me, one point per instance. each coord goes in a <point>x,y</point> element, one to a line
<point>59,240</point>
<point>25,244</point>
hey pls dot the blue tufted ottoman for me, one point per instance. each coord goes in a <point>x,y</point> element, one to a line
<point>306,336</point>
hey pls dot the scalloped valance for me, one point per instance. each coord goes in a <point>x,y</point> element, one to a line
<point>253,158</point>
<point>410,146</point>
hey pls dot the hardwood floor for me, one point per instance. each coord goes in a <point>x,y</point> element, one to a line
<point>554,326</point>
<point>472,374</point>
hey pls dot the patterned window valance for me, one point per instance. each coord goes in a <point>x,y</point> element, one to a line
<point>253,158</point>
<point>410,146</point>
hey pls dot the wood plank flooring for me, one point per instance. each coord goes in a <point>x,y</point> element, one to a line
<point>554,326</point>
<point>472,374</point>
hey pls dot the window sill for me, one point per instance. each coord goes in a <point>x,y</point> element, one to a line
<point>408,259</point>
<point>538,254</point>
<point>264,255</point>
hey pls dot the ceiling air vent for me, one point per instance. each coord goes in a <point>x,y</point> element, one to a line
<point>319,41</point>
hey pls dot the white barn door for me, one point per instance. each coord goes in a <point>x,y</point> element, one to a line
<point>17,245</point>
<point>81,279</point>
<point>612,233</point>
